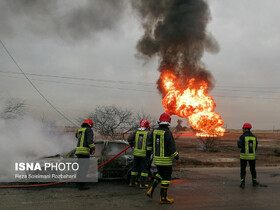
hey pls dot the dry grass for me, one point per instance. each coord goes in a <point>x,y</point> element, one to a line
<point>225,152</point>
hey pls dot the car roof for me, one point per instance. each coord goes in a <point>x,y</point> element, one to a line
<point>111,141</point>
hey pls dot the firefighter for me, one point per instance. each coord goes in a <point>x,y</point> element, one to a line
<point>164,151</point>
<point>141,153</point>
<point>248,145</point>
<point>85,147</point>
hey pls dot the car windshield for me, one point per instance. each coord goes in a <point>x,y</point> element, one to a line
<point>114,148</point>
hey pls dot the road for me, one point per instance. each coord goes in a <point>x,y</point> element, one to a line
<point>195,188</point>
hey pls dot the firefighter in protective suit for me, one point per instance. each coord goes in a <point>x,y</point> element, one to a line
<point>248,145</point>
<point>164,151</point>
<point>85,147</point>
<point>138,141</point>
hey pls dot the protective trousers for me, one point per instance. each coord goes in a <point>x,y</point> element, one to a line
<point>164,173</point>
<point>163,176</point>
<point>243,164</point>
<point>140,165</point>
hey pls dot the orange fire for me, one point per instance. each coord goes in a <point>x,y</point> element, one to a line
<point>190,99</point>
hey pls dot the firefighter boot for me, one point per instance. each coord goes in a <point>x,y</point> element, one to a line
<point>143,181</point>
<point>132,180</point>
<point>255,183</point>
<point>150,191</point>
<point>242,183</point>
<point>163,196</point>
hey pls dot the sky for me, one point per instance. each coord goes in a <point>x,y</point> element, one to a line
<point>246,69</point>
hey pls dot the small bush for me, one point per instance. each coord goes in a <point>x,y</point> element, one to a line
<point>208,144</point>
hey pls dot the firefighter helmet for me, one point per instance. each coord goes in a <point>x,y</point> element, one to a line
<point>246,126</point>
<point>89,122</point>
<point>144,123</point>
<point>164,119</point>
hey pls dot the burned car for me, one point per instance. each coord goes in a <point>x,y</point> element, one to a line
<point>105,150</point>
<point>118,168</point>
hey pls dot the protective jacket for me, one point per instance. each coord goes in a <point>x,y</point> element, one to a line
<point>248,144</point>
<point>85,140</point>
<point>138,140</point>
<point>163,144</point>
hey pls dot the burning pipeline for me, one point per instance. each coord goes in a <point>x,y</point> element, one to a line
<point>189,98</point>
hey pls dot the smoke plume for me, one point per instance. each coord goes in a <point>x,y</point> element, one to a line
<point>26,139</point>
<point>175,30</point>
<point>67,19</point>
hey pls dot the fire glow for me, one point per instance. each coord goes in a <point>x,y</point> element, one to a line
<point>188,98</point>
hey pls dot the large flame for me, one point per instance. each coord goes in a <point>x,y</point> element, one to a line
<point>189,99</point>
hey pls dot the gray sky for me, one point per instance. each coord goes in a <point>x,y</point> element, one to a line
<point>246,69</point>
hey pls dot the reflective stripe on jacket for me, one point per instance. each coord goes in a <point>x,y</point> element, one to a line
<point>140,143</point>
<point>250,148</point>
<point>162,156</point>
<point>85,141</point>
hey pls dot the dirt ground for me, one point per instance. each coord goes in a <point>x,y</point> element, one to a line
<point>192,188</point>
<point>201,180</point>
<point>224,152</point>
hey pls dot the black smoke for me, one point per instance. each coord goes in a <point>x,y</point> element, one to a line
<point>68,19</point>
<point>175,30</point>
